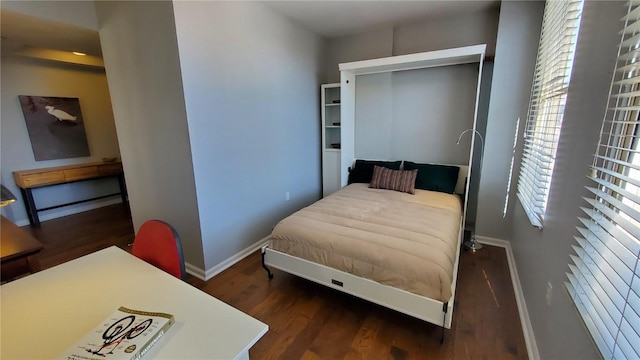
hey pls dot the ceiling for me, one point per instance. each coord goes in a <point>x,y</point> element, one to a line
<point>20,30</point>
<point>338,18</point>
<point>326,18</point>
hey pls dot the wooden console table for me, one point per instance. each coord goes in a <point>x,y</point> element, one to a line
<point>31,179</point>
<point>19,251</point>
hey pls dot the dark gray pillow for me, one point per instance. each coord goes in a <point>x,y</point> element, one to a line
<point>433,177</point>
<point>362,172</point>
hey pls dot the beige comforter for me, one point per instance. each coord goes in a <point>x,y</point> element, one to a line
<point>397,239</point>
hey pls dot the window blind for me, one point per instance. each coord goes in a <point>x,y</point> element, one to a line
<point>552,74</point>
<point>604,277</point>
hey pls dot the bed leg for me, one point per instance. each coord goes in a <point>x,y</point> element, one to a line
<point>264,266</point>
<point>445,308</point>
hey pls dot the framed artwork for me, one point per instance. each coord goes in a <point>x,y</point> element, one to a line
<point>55,126</point>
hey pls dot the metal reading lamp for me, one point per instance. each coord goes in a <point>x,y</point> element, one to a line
<point>7,197</point>
<point>472,244</point>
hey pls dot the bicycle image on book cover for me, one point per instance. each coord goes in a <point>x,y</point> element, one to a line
<point>126,334</point>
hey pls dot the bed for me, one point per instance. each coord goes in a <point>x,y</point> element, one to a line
<point>370,274</point>
<point>395,249</point>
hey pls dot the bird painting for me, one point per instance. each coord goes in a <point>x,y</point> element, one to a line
<point>55,126</point>
<point>60,114</point>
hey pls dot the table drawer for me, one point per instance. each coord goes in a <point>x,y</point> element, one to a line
<point>110,169</point>
<point>81,173</point>
<point>45,178</point>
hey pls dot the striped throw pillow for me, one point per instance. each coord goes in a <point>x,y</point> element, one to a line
<point>398,180</point>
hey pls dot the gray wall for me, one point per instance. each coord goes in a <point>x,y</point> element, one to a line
<point>542,256</point>
<point>418,36</point>
<point>516,48</point>
<point>398,114</point>
<point>481,127</point>
<point>448,32</point>
<point>373,44</point>
<point>141,58</point>
<point>22,76</point>
<point>251,82</point>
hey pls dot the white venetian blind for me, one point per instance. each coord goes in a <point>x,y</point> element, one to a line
<point>604,278</point>
<point>546,107</point>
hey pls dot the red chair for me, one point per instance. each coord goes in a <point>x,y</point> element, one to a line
<point>158,244</point>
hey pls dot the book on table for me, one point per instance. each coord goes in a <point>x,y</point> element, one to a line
<point>126,334</point>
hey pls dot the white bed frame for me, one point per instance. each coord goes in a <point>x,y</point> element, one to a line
<point>427,309</point>
<point>430,310</point>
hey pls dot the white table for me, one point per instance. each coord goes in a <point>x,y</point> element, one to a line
<point>45,313</point>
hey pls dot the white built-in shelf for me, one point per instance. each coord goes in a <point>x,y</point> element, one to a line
<point>331,134</point>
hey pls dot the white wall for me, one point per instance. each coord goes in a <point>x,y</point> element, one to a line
<point>21,76</point>
<point>516,48</point>
<point>141,59</point>
<point>543,256</point>
<point>252,89</point>
<point>416,115</point>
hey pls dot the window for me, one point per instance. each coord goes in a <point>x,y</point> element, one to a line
<point>604,278</point>
<point>513,159</point>
<point>546,106</point>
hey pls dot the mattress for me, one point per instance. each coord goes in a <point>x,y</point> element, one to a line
<point>397,239</point>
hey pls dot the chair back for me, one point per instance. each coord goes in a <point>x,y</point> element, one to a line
<point>158,243</point>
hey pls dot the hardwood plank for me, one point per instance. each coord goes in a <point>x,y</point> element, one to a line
<point>306,336</point>
<point>76,235</point>
<point>365,345</point>
<point>310,321</point>
<point>288,326</point>
<point>334,340</point>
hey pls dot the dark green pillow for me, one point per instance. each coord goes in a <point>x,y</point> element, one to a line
<point>362,172</point>
<point>442,178</point>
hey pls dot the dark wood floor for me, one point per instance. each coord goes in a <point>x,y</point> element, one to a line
<point>309,321</point>
<point>73,236</point>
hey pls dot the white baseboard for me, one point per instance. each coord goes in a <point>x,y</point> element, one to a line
<point>66,211</point>
<point>194,270</point>
<point>527,329</point>
<point>224,265</point>
<point>493,241</point>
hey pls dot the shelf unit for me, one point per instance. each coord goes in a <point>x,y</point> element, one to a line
<point>331,137</point>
